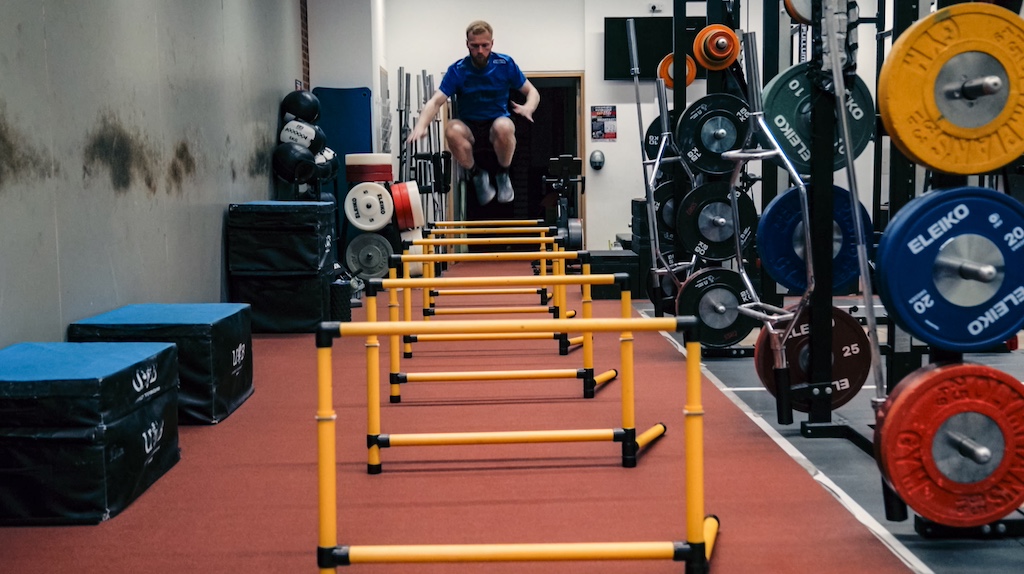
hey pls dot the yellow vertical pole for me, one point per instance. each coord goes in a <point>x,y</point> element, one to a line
<point>626,351</point>
<point>327,482</point>
<point>588,336</point>
<point>394,342</point>
<point>372,385</point>
<point>694,429</point>
<point>407,306</point>
<point>428,273</point>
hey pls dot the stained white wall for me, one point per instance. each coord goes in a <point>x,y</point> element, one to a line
<point>126,128</point>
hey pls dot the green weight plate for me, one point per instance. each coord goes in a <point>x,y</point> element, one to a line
<point>787,111</point>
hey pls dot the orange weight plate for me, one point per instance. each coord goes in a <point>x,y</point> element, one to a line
<point>950,442</point>
<point>799,10</point>
<point>716,47</point>
<point>665,71</point>
<point>950,91</point>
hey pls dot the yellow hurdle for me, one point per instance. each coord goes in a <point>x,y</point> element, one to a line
<point>591,381</point>
<point>490,223</point>
<point>701,530</point>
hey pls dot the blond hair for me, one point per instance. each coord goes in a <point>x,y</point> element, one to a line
<point>478,27</point>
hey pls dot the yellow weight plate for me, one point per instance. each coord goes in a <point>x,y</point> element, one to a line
<point>951,91</point>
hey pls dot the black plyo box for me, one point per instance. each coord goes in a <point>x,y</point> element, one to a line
<point>281,236</point>
<point>214,349</point>
<point>284,303</point>
<point>614,261</point>
<point>85,428</point>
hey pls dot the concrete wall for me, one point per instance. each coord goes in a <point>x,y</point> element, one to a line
<point>126,127</point>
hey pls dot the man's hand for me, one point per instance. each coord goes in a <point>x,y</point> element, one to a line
<point>416,133</point>
<point>523,111</point>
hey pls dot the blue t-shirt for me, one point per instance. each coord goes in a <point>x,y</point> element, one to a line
<point>483,94</point>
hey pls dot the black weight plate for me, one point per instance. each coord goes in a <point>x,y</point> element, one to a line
<point>704,221</point>
<point>712,125</point>
<point>787,111</point>
<point>368,255</point>
<point>923,280</point>
<point>652,138</point>
<point>714,295</point>
<point>780,239</point>
<point>851,357</point>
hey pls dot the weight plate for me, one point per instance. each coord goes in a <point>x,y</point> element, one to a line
<point>710,126</point>
<point>704,221</point>
<point>716,47</point>
<point>368,254</point>
<point>665,204</point>
<point>419,219</point>
<point>951,268</point>
<point>369,206</point>
<point>780,239</point>
<point>851,357</point>
<point>787,111</point>
<point>949,92</point>
<point>403,215</point>
<point>799,10</point>
<point>666,71</point>
<point>714,295</point>
<point>368,159</point>
<point>652,138</point>
<point>662,289</point>
<point>950,442</point>
<point>574,235</point>
<point>360,173</point>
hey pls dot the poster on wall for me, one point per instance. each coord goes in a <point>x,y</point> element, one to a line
<point>602,123</point>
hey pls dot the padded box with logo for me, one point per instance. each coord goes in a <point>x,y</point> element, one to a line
<point>85,428</point>
<point>214,349</point>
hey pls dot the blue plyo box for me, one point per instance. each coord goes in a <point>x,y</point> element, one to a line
<point>85,428</point>
<point>214,350</point>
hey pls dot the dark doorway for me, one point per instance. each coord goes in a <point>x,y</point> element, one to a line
<point>554,131</point>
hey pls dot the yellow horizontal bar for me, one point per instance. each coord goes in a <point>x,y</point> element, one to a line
<point>609,325</point>
<point>489,223</point>
<point>499,256</point>
<point>490,310</point>
<point>497,291</point>
<point>487,230</point>
<point>650,434</point>
<point>576,340</point>
<point>507,281</point>
<point>485,337</point>
<point>501,437</point>
<point>606,376</point>
<point>438,241</point>
<point>424,553</point>
<point>491,375</point>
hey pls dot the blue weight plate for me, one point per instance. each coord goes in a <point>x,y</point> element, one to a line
<point>780,240</point>
<point>951,268</point>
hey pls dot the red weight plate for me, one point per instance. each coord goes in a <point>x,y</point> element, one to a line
<point>358,173</point>
<point>950,442</point>
<point>403,214</point>
<point>851,357</point>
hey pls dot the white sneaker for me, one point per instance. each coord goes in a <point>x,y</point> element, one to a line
<point>484,190</point>
<point>505,192</point>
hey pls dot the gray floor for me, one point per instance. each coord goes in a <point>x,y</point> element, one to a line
<point>852,475</point>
